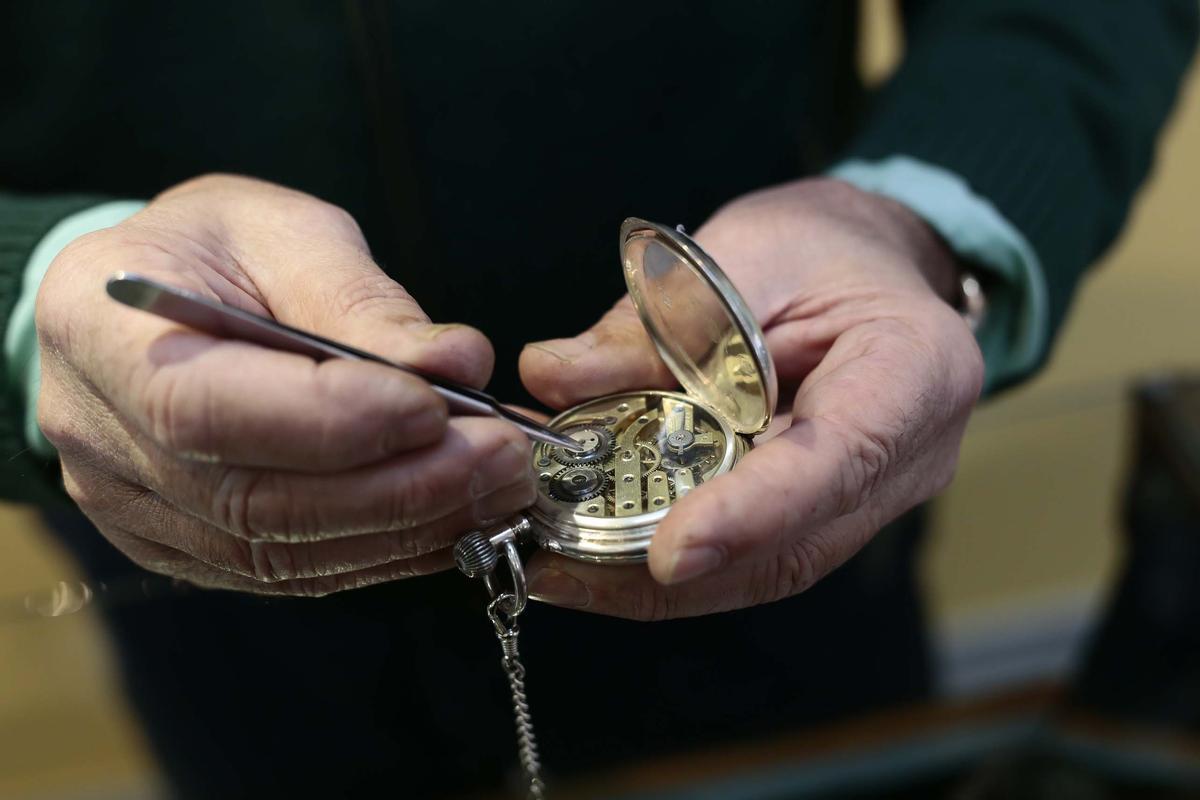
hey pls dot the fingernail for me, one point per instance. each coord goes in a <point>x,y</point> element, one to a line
<point>504,502</point>
<point>565,350</point>
<point>559,588</point>
<point>434,330</point>
<point>692,562</point>
<point>503,468</point>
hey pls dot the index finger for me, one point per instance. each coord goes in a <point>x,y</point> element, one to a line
<point>241,404</point>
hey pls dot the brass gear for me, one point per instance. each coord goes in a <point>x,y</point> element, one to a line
<point>577,484</point>
<point>602,441</point>
<point>650,457</point>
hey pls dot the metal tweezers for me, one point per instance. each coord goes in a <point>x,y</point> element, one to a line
<point>218,319</point>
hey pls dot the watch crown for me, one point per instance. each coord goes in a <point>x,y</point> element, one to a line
<point>475,555</point>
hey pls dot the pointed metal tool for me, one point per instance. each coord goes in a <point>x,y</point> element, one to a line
<point>227,322</point>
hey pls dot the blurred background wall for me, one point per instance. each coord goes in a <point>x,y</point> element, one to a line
<point>1023,548</point>
<point>1026,540</point>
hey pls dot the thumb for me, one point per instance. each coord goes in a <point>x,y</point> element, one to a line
<point>350,299</point>
<point>614,355</point>
<point>307,262</point>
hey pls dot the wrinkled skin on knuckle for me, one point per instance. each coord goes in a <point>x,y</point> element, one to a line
<point>459,352</point>
<point>276,513</point>
<point>364,293</point>
<point>405,501</point>
<point>651,602</point>
<point>237,507</point>
<point>272,562</point>
<point>869,455</point>
<point>799,563</point>
<point>294,562</point>
<point>176,411</point>
<point>909,422</point>
<point>763,583</point>
<point>267,564</point>
<point>809,559</point>
<point>806,561</point>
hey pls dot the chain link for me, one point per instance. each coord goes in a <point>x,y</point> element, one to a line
<point>507,632</point>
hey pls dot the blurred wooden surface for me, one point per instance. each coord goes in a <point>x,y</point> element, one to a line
<point>64,729</point>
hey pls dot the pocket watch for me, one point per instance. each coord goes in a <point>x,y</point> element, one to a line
<point>643,451</point>
<point>640,452</point>
<point>637,453</point>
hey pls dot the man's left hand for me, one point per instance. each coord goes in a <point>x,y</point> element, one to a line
<point>852,291</point>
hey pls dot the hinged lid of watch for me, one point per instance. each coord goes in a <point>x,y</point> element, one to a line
<point>702,327</point>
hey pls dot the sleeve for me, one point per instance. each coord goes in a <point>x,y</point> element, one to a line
<point>1048,110</point>
<point>24,223</point>
<point>1013,333</point>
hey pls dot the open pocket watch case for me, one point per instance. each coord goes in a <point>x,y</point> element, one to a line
<point>642,451</point>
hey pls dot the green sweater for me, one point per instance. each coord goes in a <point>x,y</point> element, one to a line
<point>490,152</point>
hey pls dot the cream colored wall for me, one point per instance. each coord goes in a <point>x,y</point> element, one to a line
<point>1029,517</point>
<point>1032,511</point>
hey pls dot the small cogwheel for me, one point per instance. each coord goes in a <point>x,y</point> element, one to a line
<point>576,484</point>
<point>650,457</point>
<point>598,441</point>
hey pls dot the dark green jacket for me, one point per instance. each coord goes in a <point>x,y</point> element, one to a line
<point>491,150</point>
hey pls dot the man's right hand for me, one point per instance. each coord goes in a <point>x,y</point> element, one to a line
<point>235,466</point>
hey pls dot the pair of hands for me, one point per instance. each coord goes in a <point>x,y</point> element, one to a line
<point>233,466</point>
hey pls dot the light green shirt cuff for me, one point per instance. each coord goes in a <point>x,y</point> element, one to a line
<point>1016,328</point>
<point>20,339</point>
